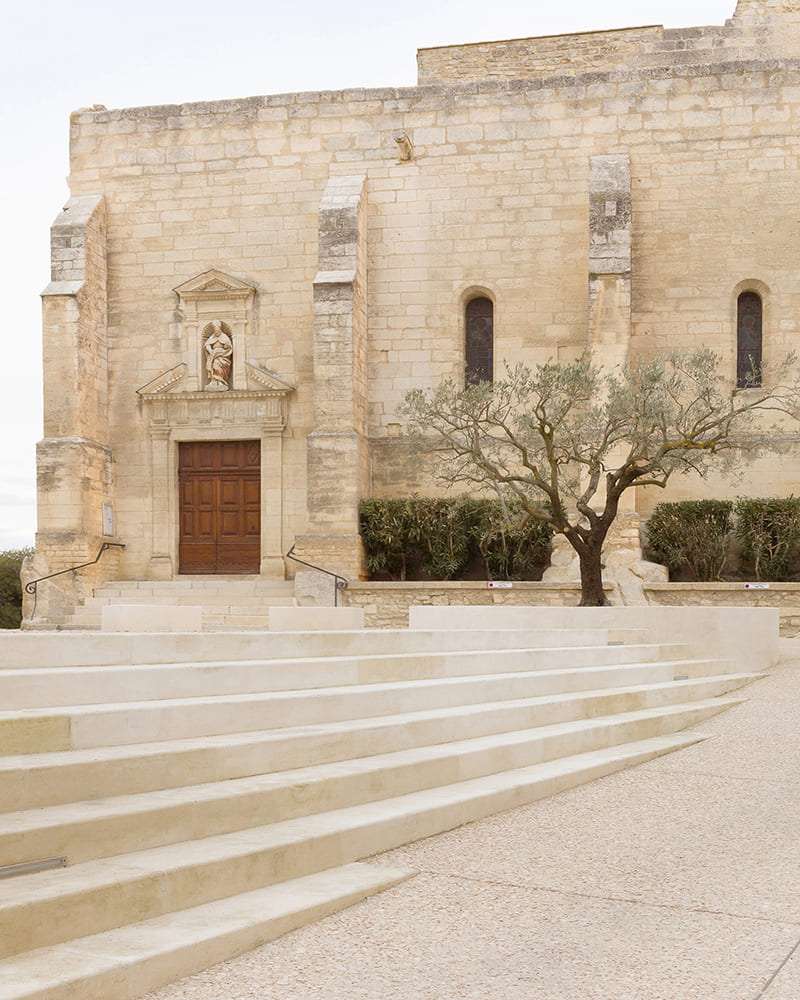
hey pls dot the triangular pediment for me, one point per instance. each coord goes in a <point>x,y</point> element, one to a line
<point>263,378</point>
<point>214,284</point>
<point>165,381</point>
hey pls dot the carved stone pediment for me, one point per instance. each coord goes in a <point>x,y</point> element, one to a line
<point>261,408</point>
<point>263,378</point>
<point>165,381</point>
<point>213,285</point>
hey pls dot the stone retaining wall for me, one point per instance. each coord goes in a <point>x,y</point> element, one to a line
<point>386,604</point>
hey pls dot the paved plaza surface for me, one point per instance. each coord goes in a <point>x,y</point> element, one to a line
<point>677,879</point>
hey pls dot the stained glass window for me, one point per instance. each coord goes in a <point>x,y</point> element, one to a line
<point>479,351</point>
<point>748,340</point>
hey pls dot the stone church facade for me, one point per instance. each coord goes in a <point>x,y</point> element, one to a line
<point>243,291</point>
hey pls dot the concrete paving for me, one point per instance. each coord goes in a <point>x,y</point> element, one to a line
<point>676,880</point>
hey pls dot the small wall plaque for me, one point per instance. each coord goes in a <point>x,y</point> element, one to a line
<point>500,585</point>
<point>108,519</point>
<point>756,586</point>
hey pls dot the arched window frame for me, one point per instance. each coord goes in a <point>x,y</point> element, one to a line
<point>747,288</point>
<point>478,359</point>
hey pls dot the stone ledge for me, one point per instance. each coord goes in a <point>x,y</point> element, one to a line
<point>729,586</point>
<point>465,585</point>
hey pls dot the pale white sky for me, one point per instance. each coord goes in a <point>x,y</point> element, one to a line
<point>61,56</point>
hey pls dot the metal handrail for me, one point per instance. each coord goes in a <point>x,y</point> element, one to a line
<point>32,586</point>
<point>341,582</point>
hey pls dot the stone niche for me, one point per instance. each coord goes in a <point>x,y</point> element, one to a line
<point>216,312</point>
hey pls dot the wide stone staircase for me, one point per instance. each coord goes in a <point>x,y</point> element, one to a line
<point>188,797</point>
<point>228,603</point>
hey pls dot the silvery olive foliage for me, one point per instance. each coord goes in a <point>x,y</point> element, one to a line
<point>564,441</point>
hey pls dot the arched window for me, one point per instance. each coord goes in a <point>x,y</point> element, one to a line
<point>748,340</point>
<point>479,346</point>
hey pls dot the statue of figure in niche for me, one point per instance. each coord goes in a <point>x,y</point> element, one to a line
<point>219,357</point>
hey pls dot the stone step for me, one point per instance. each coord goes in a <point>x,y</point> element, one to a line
<point>129,961</point>
<point>228,602</point>
<point>85,726</point>
<point>167,589</point>
<point>195,597</point>
<point>61,686</point>
<point>203,787</point>
<point>87,830</point>
<point>97,896</point>
<point>217,618</point>
<point>247,602</point>
<point>35,780</point>
<point>41,650</point>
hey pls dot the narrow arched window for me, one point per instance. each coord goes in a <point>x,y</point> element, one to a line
<point>748,340</point>
<point>479,346</point>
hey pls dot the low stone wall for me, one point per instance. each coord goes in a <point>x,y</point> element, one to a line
<point>784,596</point>
<point>740,595</point>
<point>386,604</point>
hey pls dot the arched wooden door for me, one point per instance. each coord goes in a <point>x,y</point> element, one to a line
<point>220,506</point>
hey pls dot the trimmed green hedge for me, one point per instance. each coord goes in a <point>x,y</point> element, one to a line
<point>694,538</point>
<point>447,539</point>
<point>691,536</point>
<point>769,531</point>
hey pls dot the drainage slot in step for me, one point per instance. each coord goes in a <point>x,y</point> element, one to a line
<point>28,867</point>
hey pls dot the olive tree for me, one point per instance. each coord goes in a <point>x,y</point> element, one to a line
<point>566,440</point>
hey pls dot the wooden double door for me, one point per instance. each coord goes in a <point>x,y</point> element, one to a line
<point>220,506</point>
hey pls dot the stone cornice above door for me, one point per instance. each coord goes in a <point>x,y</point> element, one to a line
<point>260,408</point>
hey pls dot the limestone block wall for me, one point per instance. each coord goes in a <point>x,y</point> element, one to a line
<point>534,57</point>
<point>495,200</point>
<point>759,29</point>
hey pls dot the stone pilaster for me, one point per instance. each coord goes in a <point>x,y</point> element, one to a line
<point>74,462</point>
<point>610,268</point>
<point>610,258</point>
<point>337,447</point>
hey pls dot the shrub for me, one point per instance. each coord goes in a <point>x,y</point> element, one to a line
<point>769,531</point>
<point>11,587</point>
<point>508,551</point>
<point>443,538</point>
<point>691,535</point>
<point>412,535</point>
<point>385,531</point>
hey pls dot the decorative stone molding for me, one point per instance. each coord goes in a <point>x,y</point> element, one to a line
<point>266,379</point>
<point>163,382</point>
<point>264,403</point>
<point>210,297</point>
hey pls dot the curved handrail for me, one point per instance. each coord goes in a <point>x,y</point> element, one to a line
<point>341,582</point>
<point>32,586</point>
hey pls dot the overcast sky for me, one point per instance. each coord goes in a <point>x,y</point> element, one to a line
<point>61,56</point>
